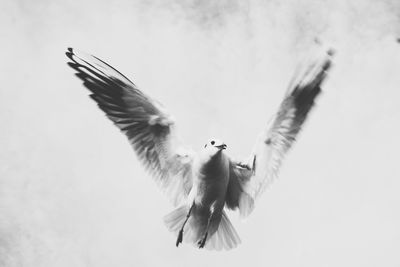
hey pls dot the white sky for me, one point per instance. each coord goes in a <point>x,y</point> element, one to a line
<point>72,192</point>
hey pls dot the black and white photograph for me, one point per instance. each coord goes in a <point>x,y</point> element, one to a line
<point>199,133</point>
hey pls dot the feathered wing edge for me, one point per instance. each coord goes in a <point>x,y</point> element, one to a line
<point>148,127</point>
<point>249,179</point>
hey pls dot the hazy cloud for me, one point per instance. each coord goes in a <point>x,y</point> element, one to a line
<point>73,194</point>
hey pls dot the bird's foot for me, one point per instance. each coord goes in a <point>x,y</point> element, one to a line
<point>244,165</point>
<point>202,242</point>
<point>247,165</point>
<point>180,237</point>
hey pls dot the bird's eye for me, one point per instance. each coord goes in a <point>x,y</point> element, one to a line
<point>212,142</point>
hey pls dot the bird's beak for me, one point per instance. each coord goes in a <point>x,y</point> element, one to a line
<point>223,146</point>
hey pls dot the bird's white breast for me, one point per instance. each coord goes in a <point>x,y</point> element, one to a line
<point>211,176</point>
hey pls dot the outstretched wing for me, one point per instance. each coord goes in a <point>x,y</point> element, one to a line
<point>148,127</point>
<point>250,178</point>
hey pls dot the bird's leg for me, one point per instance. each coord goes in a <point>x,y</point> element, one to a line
<point>203,240</point>
<point>180,235</point>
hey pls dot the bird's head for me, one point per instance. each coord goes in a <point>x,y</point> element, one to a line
<point>212,153</point>
<point>214,146</point>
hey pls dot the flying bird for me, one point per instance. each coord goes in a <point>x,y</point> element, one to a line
<point>200,185</point>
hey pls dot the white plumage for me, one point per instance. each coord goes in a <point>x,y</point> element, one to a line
<point>200,184</point>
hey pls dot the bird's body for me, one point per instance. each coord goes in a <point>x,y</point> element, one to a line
<point>207,196</point>
<point>211,177</point>
<point>201,185</point>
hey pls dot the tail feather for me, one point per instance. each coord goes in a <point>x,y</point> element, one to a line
<point>175,219</point>
<point>226,236</point>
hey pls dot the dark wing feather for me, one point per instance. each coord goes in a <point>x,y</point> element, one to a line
<point>249,179</point>
<point>148,127</point>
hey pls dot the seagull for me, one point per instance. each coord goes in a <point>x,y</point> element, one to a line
<point>200,185</point>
